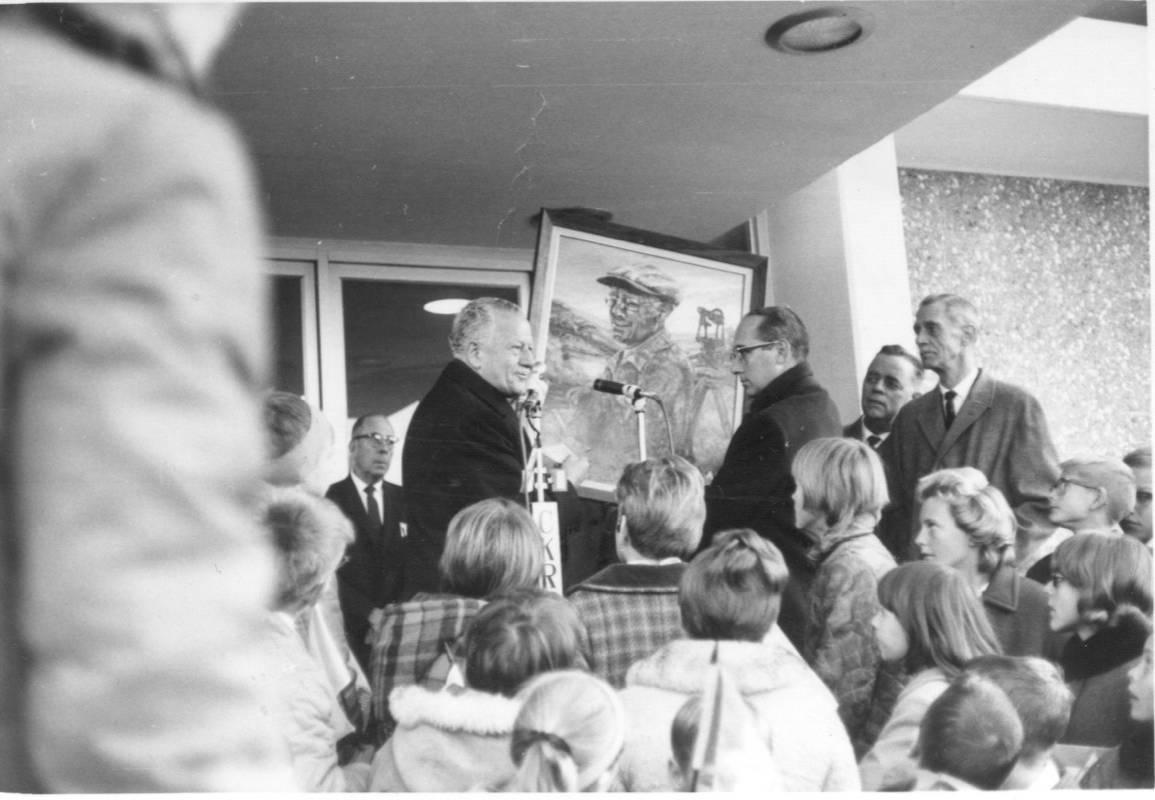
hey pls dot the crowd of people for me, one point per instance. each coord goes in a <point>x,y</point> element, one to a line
<point>924,599</point>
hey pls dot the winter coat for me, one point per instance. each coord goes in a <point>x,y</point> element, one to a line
<point>890,763</point>
<point>797,712</point>
<point>445,741</point>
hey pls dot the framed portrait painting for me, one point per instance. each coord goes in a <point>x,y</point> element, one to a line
<point>641,308</point>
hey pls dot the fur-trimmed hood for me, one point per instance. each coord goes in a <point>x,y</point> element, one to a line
<point>466,711</point>
<point>445,741</point>
<point>755,667</point>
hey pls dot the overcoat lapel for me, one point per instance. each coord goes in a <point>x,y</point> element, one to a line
<point>977,402</point>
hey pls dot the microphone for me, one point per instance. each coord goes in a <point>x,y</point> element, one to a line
<point>624,389</point>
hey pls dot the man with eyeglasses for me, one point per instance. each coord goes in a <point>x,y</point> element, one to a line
<point>969,420</point>
<point>370,577</point>
<point>1091,495</point>
<point>788,408</point>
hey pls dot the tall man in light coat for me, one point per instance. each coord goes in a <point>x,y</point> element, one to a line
<point>970,420</point>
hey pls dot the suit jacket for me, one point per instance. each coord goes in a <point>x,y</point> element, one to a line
<point>463,445</point>
<point>753,487</point>
<point>1000,430</point>
<point>371,577</point>
<point>854,430</point>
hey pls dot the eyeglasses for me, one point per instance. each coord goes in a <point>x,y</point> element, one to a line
<point>1061,485</point>
<point>379,438</point>
<point>739,353</point>
<point>628,302</point>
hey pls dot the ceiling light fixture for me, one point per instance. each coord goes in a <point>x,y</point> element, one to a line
<point>450,305</point>
<point>820,30</point>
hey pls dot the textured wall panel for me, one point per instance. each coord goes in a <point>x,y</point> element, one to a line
<point>1060,272</point>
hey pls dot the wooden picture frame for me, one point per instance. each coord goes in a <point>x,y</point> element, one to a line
<point>700,292</point>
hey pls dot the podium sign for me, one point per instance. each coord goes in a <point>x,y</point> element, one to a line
<point>546,516</point>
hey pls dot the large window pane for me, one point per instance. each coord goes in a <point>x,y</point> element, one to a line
<point>288,338</point>
<point>394,349</point>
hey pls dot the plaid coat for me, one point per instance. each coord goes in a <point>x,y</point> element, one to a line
<point>629,611</point>
<point>407,641</point>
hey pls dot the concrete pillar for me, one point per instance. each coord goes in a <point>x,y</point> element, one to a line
<point>838,258</point>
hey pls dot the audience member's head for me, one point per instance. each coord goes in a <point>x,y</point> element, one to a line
<point>492,546</point>
<point>1138,522</point>
<point>1140,688</point>
<point>892,380</point>
<point>741,760</point>
<point>767,342</point>
<point>661,508</point>
<point>371,447</point>
<point>839,483</point>
<point>299,440</point>
<point>1092,494</point>
<point>733,589</point>
<point>493,338</point>
<point>972,733</point>
<point>518,635</point>
<point>569,734</point>
<point>1098,581</point>
<point>1043,701</point>
<point>946,328</point>
<point>964,522</point>
<point>931,617</point>
<point>310,535</point>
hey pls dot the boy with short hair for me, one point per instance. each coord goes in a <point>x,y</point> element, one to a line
<point>1091,495</point>
<point>631,609</point>
<point>1036,689</point>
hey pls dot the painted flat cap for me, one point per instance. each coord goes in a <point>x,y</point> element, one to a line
<point>645,279</point>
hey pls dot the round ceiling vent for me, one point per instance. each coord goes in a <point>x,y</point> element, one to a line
<point>819,30</point>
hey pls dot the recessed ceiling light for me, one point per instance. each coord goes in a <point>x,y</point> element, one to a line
<point>450,305</point>
<point>819,30</point>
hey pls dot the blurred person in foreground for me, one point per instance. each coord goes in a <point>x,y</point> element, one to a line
<point>135,578</point>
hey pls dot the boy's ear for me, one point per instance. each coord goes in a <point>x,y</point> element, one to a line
<point>1100,499</point>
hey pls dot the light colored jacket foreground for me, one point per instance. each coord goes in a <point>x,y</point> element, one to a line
<point>890,762</point>
<point>445,741</point>
<point>807,741</point>
<point>133,579</point>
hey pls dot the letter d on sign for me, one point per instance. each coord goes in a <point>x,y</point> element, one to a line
<point>546,517</point>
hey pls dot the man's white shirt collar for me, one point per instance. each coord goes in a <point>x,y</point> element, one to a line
<point>962,389</point>
<point>360,484</point>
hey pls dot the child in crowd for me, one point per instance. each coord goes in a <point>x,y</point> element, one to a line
<point>933,623</point>
<point>967,525</point>
<point>1092,495</point>
<point>459,738</point>
<point>729,598</point>
<point>742,761</point>
<point>568,735</point>
<point>969,739</point>
<point>1102,596</point>
<point>1138,522</point>
<point>1036,689</point>
<point>631,609</point>
<point>310,535</point>
<point>491,547</point>
<point>299,440</point>
<point>1129,766</point>
<point>839,495</point>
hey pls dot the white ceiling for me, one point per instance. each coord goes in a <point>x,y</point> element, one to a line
<point>454,123</point>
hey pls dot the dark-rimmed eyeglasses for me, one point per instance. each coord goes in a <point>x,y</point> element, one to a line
<point>739,353</point>
<point>1061,485</point>
<point>378,438</point>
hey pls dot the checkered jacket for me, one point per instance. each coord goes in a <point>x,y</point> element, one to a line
<point>629,611</point>
<point>407,642</point>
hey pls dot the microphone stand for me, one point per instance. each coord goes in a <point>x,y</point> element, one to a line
<point>639,404</point>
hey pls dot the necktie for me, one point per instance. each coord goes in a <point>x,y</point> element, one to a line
<point>874,441</point>
<point>371,503</point>
<point>948,408</point>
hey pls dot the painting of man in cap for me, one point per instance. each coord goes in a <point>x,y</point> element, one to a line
<point>639,300</point>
